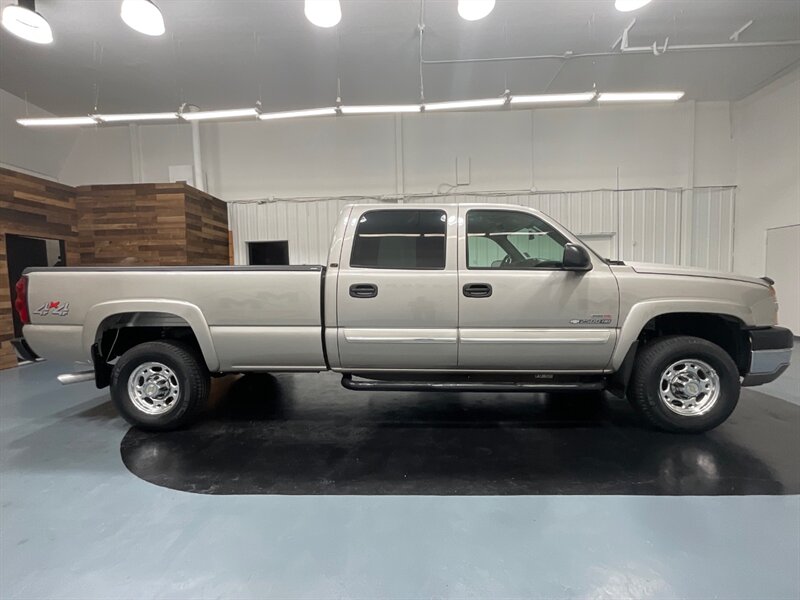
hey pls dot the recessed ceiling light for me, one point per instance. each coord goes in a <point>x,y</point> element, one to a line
<point>629,5</point>
<point>24,22</point>
<point>323,13</point>
<point>554,98</point>
<point>293,114</point>
<point>380,109</point>
<point>143,16</point>
<point>56,121</point>
<point>206,115</point>
<point>473,10</point>
<point>119,118</point>
<point>460,104</point>
<point>640,97</point>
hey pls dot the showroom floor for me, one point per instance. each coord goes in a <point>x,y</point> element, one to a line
<point>316,493</point>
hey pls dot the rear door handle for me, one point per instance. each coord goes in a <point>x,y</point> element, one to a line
<point>363,290</point>
<point>477,290</point>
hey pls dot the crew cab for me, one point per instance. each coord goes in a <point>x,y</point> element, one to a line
<point>429,297</point>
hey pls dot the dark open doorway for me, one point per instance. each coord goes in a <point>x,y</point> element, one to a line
<point>23,252</point>
<point>268,253</point>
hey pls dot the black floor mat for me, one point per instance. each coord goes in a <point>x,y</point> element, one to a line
<point>303,434</point>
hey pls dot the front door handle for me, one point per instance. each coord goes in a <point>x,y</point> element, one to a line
<point>363,290</point>
<point>477,290</point>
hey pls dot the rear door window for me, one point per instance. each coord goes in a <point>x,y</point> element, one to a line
<point>400,239</point>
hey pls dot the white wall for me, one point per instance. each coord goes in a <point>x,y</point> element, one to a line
<point>102,155</point>
<point>678,145</point>
<point>37,152</point>
<point>767,133</point>
<point>754,144</point>
<point>688,227</point>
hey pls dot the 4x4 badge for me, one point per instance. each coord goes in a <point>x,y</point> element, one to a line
<point>55,308</point>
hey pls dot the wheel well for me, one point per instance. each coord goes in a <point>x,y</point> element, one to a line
<point>119,333</point>
<point>723,330</point>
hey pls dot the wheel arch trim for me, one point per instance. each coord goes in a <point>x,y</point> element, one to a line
<point>643,312</point>
<point>184,310</point>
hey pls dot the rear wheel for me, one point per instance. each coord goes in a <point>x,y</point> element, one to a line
<point>684,384</point>
<point>159,385</point>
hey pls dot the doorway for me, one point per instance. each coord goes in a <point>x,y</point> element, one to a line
<point>783,250</point>
<point>23,252</point>
<point>268,253</point>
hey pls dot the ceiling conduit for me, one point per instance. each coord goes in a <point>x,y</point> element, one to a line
<point>624,48</point>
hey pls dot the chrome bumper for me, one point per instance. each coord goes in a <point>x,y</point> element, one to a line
<point>770,355</point>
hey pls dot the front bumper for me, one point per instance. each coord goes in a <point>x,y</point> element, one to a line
<point>770,354</point>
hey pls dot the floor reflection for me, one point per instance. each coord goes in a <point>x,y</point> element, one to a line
<point>303,434</point>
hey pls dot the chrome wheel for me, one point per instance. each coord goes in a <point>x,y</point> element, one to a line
<point>689,387</point>
<point>153,388</point>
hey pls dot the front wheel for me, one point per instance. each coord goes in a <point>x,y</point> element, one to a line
<point>684,384</point>
<point>159,386</point>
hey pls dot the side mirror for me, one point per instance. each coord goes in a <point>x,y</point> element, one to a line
<point>576,258</point>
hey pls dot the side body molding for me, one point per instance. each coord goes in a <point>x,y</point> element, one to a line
<point>186,311</point>
<point>640,313</point>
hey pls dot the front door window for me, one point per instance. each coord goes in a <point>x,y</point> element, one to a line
<point>504,239</point>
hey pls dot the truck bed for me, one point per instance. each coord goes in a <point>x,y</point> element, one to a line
<point>245,317</point>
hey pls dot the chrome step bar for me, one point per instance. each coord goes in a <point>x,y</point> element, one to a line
<point>79,377</point>
<point>454,386</point>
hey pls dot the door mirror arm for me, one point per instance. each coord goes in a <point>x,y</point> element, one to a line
<point>576,258</point>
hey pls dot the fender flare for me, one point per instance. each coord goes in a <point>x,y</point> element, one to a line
<point>186,311</point>
<point>642,312</point>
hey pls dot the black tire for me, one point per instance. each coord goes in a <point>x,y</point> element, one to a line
<point>652,361</point>
<point>190,374</point>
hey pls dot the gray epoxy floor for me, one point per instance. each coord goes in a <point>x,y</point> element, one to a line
<point>74,523</point>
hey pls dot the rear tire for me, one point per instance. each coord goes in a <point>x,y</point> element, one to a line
<point>158,386</point>
<point>684,384</point>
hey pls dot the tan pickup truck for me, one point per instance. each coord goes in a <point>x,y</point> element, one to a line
<point>436,297</point>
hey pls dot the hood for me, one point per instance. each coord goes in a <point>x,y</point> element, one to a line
<point>657,269</point>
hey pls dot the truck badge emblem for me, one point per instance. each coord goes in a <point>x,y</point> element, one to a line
<point>54,307</point>
<point>593,320</point>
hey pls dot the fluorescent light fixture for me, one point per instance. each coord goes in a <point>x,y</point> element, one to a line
<point>640,97</point>
<point>323,13</point>
<point>460,104</point>
<point>293,114</point>
<point>57,121</point>
<point>24,22</point>
<point>143,16</point>
<point>629,5</point>
<point>473,10</point>
<point>554,98</point>
<point>380,109</point>
<point>136,117</point>
<point>208,115</point>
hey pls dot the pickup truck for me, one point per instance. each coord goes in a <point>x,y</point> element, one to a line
<point>426,297</point>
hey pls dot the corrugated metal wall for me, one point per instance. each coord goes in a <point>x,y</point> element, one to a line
<point>672,226</point>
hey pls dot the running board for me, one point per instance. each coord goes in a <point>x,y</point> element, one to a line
<point>449,386</point>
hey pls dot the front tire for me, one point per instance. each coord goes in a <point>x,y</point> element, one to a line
<point>684,384</point>
<point>158,386</point>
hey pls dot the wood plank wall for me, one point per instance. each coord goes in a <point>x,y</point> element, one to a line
<point>37,208</point>
<point>206,229</point>
<point>142,224</point>
<point>151,224</point>
<point>131,224</point>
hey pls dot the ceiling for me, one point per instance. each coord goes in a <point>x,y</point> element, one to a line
<point>231,53</point>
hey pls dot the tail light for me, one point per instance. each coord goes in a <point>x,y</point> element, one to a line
<point>21,300</point>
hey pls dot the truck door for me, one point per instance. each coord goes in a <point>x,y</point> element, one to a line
<point>397,289</point>
<point>518,309</point>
